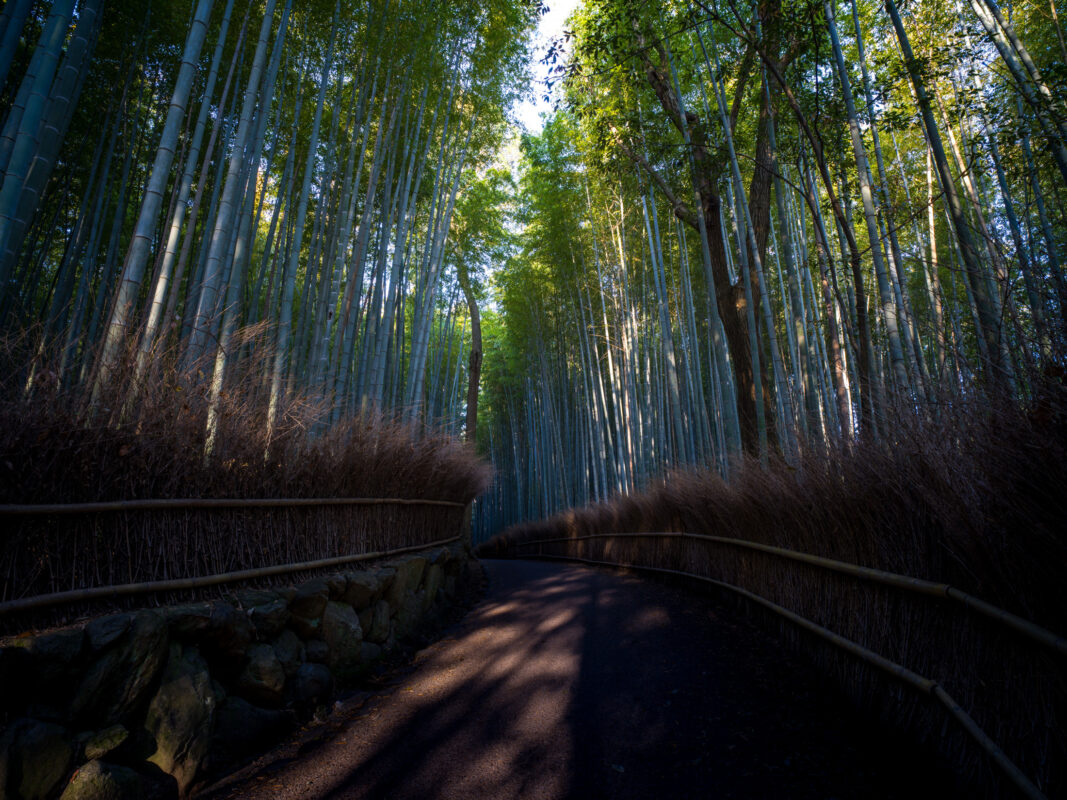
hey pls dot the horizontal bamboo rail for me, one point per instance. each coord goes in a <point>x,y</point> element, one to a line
<point>924,685</point>
<point>905,582</point>
<point>126,589</point>
<point>213,502</point>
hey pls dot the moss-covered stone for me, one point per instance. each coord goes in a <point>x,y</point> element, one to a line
<point>46,669</point>
<point>409,613</point>
<point>378,629</point>
<point>289,651</point>
<point>34,759</point>
<point>56,648</point>
<point>310,599</point>
<point>263,679</point>
<point>181,716</point>
<point>269,619</point>
<point>104,631</point>
<point>432,583</point>
<point>119,679</point>
<point>188,620</point>
<point>316,651</point>
<point>336,585</point>
<point>227,638</point>
<point>99,781</point>
<point>343,637</point>
<point>103,742</point>
<point>408,576</point>
<point>363,588</point>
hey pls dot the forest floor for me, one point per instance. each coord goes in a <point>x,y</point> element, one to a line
<point>570,682</point>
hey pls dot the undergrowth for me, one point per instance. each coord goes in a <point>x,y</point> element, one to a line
<point>65,444</point>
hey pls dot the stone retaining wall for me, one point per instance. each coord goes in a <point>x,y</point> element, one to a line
<point>152,703</point>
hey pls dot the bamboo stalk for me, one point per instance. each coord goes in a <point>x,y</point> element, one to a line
<point>899,671</point>
<point>213,502</point>
<point>906,582</point>
<point>124,590</point>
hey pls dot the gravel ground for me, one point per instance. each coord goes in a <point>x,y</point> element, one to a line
<point>571,682</point>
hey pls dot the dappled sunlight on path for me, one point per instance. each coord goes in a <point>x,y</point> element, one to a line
<point>569,682</point>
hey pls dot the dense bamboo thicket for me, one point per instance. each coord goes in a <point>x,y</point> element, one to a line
<point>754,228</point>
<point>173,172</point>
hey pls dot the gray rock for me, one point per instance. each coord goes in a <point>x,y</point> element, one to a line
<point>313,684</point>
<point>310,599</point>
<point>34,759</point>
<point>104,631</point>
<point>122,675</point>
<point>435,577</point>
<point>362,588</point>
<point>289,651</point>
<point>336,584</point>
<point>306,628</point>
<point>99,781</point>
<point>378,629</point>
<point>269,619</point>
<point>243,729</point>
<point>263,678</point>
<point>316,651</point>
<point>57,648</point>
<point>220,692</point>
<point>408,575</point>
<point>181,716</point>
<point>409,613</point>
<point>370,652</point>
<point>454,566</point>
<point>228,637</point>
<point>342,634</point>
<point>450,585</point>
<point>307,607</point>
<point>7,736</point>
<point>46,668</point>
<point>103,742</point>
<point>155,783</point>
<point>188,621</point>
<point>248,598</point>
<point>366,619</point>
<point>286,593</point>
<point>13,665</point>
<point>388,575</point>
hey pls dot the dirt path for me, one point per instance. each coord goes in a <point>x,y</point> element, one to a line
<point>570,682</point>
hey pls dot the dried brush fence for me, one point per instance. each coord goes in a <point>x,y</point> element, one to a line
<point>976,504</point>
<point>73,558</point>
<point>124,487</point>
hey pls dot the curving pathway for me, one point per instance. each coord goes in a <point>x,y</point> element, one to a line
<point>567,682</point>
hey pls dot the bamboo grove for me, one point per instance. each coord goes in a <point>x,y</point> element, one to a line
<point>760,229</point>
<point>178,174</point>
<point>748,230</point>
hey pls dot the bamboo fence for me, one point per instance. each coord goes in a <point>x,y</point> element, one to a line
<point>55,556</point>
